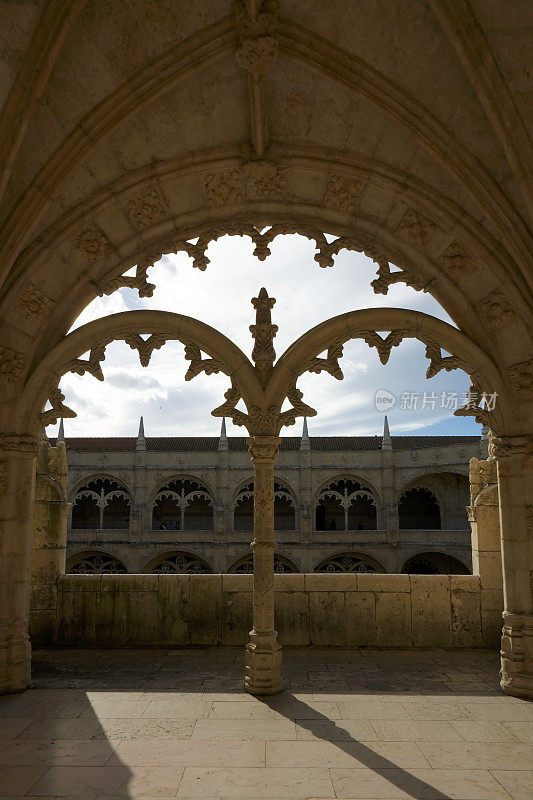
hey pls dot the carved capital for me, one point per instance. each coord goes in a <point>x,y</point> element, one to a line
<point>263,448</point>
<point>19,444</point>
<point>507,446</point>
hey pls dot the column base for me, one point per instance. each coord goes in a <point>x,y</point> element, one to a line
<point>263,659</point>
<point>15,666</point>
<point>517,655</point>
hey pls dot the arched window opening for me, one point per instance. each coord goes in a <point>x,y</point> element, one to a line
<point>95,564</point>
<point>243,510</point>
<point>434,564</point>
<point>102,504</point>
<point>284,509</point>
<point>349,562</point>
<point>183,505</point>
<point>182,563</point>
<point>419,509</point>
<point>245,566</point>
<point>345,505</point>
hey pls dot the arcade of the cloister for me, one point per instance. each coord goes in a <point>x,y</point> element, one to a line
<point>133,512</point>
<point>397,130</point>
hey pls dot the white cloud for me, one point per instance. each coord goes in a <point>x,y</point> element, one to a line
<point>306,295</point>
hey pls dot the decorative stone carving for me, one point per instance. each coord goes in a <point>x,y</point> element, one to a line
<point>11,364</point>
<point>521,378</point>
<point>199,364</point>
<point>264,180</point>
<point>437,362</point>
<point>34,302</point>
<point>506,446</point>
<point>386,277</point>
<point>59,410</point>
<point>93,243</point>
<point>455,260</point>
<point>147,209</point>
<point>415,227</point>
<point>258,44</point>
<point>18,443</point>
<point>145,347</point>
<point>472,408</point>
<point>496,309</point>
<point>224,188</point>
<point>342,193</point>
<point>92,365</point>
<point>330,364</point>
<point>263,333</point>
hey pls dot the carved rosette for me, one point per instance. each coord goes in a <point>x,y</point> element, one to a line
<point>521,379</point>
<point>264,180</point>
<point>93,243</point>
<point>455,261</point>
<point>146,210</point>
<point>416,228</point>
<point>11,364</point>
<point>342,193</point>
<point>34,303</point>
<point>496,309</point>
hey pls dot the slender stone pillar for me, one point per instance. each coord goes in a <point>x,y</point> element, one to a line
<point>17,474</point>
<point>263,652</point>
<point>515,486</point>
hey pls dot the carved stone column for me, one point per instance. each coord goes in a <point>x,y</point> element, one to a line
<point>484,518</point>
<point>515,487</point>
<point>263,653</point>
<point>49,540</point>
<point>17,473</point>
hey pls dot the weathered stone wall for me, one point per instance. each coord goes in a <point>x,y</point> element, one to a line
<point>338,610</point>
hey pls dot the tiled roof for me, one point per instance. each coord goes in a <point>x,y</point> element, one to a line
<point>209,444</point>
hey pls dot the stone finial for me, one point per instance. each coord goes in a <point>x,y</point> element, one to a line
<point>141,441</point>
<point>305,443</point>
<point>61,432</point>
<point>263,332</point>
<point>386,443</point>
<point>223,439</point>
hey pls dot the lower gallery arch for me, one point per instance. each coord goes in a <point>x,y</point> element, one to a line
<point>350,562</point>
<point>245,565</point>
<point>434,563</point>
<point>179,561</point>
<point>95,562</point>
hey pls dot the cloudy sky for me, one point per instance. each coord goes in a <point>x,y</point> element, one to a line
<point>306,295</point>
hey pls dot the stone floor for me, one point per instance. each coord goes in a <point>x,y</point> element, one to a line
<point>363,724</point>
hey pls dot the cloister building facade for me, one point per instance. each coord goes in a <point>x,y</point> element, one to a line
<point>341,504</point>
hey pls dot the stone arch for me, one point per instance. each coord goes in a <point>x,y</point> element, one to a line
<point>100,503</point>
<point>178,561</point>
<point>352,561</point>
<point>95,561</point>
<point>95,475</point>
<point>282,564</point>
<point>451,491</point>
<point>434,563</point>
<point>351,501</point>
<point>182,503</point>
<point>419,508</point>
<point>285,506</point>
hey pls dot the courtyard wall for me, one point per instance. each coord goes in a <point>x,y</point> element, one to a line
<point>325,610</point>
